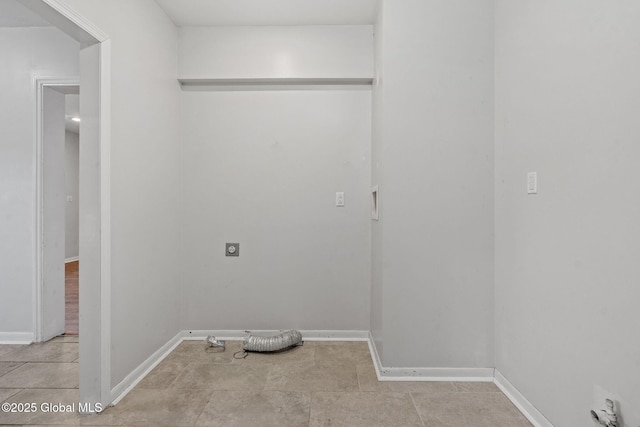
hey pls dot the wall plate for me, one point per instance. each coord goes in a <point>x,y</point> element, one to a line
<point>232,249</point>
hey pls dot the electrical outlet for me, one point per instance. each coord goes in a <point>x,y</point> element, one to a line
<point>232,249</point>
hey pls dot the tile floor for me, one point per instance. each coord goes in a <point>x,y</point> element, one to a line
<point>319,384</point>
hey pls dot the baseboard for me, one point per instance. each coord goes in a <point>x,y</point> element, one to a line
<point>131,380</point>
<point>427,374</point>
<point>72,259</point>
<point>307,335</point>
<point>528,410</point>
<point>375,357</point>
<point>16,337</point>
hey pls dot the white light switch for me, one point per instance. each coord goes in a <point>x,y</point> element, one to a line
<point>532,183</point>
<point>340,199</point>
<point>69,198</point>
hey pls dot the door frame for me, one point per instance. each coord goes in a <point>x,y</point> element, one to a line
<point>40,85</point>
<point>95,215</point>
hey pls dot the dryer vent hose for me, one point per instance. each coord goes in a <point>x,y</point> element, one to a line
<point>278,342</point>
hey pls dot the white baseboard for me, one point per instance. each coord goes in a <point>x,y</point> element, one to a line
<point>16,337</point>
<point>72,259</point>
<point>528,410</point>
<point>427,374</point>
<point>307,335</point>
<point>131,380</point>
<point>375,357</point>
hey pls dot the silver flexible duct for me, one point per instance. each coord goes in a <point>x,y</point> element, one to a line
<point>278,342</point>
<point>215,345</point>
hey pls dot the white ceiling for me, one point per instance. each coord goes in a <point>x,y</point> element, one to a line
<point>270,12</point>
<point>13,14</point>
<point>232,12</point>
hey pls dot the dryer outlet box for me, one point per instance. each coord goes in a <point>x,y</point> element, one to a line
<point>232,249</point>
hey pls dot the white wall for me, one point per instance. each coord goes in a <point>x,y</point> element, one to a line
<point>26,53</point>
<point>567,271</point>
<point>262,168</point>
<point>71,165</point>
<point>145,177</point>
<point>276,52</point>
<point>433,160</point>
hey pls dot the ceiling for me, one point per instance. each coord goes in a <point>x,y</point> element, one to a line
<point>232,12</point>
<point>270,12</point>
<point>13,14</point>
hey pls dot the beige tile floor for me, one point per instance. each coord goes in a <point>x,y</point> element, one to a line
<point>319,384</point>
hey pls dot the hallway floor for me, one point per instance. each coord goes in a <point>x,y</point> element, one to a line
<point>319,384</point>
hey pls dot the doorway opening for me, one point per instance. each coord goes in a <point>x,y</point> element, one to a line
<point>54,229</point>
<point>72,121</point>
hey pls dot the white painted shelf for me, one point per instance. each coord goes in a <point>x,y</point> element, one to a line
<point>195,84</point>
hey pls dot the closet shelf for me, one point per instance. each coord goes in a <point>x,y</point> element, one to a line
<point>195,84</point>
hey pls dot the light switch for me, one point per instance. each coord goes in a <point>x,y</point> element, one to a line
<point>340,199</point>
<point>69,198</point>
<point>532,183</point>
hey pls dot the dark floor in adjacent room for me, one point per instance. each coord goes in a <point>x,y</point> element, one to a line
<point>71,298</point>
